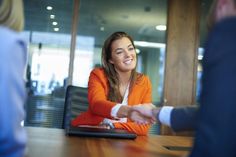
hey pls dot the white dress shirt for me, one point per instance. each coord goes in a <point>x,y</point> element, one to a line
<point>116,108</point>
<point>165,115</point>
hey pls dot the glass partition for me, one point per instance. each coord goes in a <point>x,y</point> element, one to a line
<point>205,7</point>
<point>48,32</point>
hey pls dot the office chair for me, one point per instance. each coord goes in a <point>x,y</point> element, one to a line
<point>76,101</point>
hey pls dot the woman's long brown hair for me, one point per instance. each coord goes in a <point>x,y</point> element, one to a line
<point>112,76</point>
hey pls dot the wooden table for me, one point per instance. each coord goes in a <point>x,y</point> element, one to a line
<point>47,142</point>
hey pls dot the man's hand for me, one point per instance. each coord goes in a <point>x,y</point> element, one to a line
<point>148,111</point>
<point>139,118</point>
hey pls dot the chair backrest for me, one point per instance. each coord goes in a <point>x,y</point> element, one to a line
<point>76,101</point>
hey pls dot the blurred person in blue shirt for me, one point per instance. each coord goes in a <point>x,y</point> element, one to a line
<point>12,85</point>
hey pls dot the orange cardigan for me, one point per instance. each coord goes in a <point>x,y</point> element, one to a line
<point>100,107</point>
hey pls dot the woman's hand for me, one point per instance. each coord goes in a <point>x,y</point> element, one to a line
<point>139,118</point>
<point>148,112</point>
<point>141,114</point>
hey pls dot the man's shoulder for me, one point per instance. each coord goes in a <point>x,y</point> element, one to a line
<point>8,38</point>
<point>9,34</point>
<point>220,42</point>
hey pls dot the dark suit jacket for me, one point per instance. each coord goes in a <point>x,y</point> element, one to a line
<point>184,118</point>
<point>216,127</point>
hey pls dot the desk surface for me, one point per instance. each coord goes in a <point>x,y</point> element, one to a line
<point>45,142</point>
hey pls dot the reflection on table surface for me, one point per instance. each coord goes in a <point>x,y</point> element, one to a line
<point>49,142</point>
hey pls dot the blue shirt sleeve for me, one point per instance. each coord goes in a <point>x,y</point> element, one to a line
<point>12,94</point>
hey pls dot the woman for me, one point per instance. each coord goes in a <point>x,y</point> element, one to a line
<point>116,87</point>
<point>12,86</point>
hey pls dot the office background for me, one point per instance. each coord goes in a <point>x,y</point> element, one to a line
<point>65,39</point>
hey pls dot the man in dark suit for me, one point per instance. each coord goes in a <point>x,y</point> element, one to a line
<point>183,118</point>
<point>214,120</point>
<point>216,129</point>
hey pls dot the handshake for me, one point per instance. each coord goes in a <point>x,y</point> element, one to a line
<point>144,113</point>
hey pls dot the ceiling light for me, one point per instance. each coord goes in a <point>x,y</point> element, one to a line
<point>54,23</point>
<point>52,16</point>
<point>149,44</point>
<point>102,28</point>
<point>49,8</point>
<point>56,29</point>
<point>161,27</point>
<point>137,51</point>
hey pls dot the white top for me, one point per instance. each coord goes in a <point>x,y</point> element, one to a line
<point>116,108</point>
